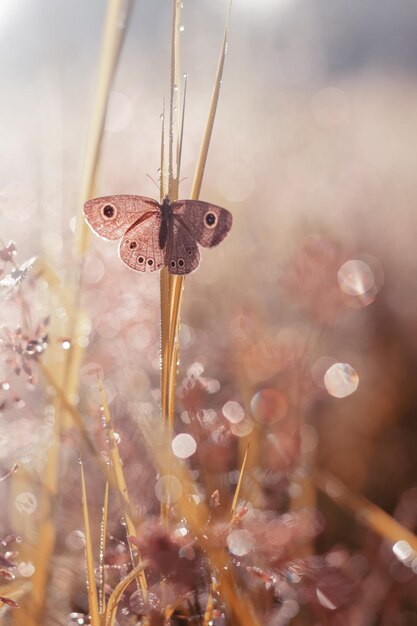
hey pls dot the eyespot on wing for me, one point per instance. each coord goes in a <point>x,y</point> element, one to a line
<point>111,216</point>
<point>207,223</point>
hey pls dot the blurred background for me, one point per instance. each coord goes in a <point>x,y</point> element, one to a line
<point>305,316</point>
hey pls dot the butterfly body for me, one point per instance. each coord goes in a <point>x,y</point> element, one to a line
<point>155,234</point>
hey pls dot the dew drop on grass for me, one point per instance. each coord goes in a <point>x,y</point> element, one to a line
<point>184,446</point>
<point>341,380</point>
<point>181,28</point>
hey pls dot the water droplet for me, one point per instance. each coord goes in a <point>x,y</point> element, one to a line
<point>233,412</point>
<point>268,406</point>
<point>181,28</point>
<point>239,542</point>
<point>341,380</point>
<point>175,87</point>
<point>66,344</point>
<point>184,446</point>
<point>185,75</point>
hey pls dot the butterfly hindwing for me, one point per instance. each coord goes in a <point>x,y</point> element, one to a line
<point>182,255</point>
<point>206,223</point>
<point>111,216</point>
<point>140,249</point>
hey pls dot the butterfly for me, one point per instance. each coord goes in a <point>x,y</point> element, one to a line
<point>154,235</point>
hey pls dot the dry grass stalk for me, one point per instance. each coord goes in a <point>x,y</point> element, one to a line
<point>113,603</point>
<point>364,511</point>
<point>122,489</point>
<point>103,537</point>
<point>91,577</point>
<point>67,372</point>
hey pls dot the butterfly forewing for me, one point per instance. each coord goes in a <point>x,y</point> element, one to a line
<point>111,216</point>
<point>182,255</point>
<point>206,223</point>
<point>139,248</point>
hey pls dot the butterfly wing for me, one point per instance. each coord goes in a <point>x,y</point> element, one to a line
<point>111,216</point>
<point>206,223</point>
<point>139,248</point>
<point>182,255</point>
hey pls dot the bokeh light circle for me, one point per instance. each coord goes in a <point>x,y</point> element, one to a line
<point>168,489</point>
<point>239,542</point>
<point>355,278</point>
<point>233,412</point>
<point>341,380</point>
<point>184,446</point>
<point>268,406</point>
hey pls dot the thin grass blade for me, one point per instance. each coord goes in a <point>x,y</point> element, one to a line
<point>91,578</point>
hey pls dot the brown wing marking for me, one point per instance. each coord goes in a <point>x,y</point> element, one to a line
<point>111,216</point>
<point>139,248</point>
<point>182,254</point>
<point>207,223</point>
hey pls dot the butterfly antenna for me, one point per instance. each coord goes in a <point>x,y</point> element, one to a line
<point>154,181</point>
